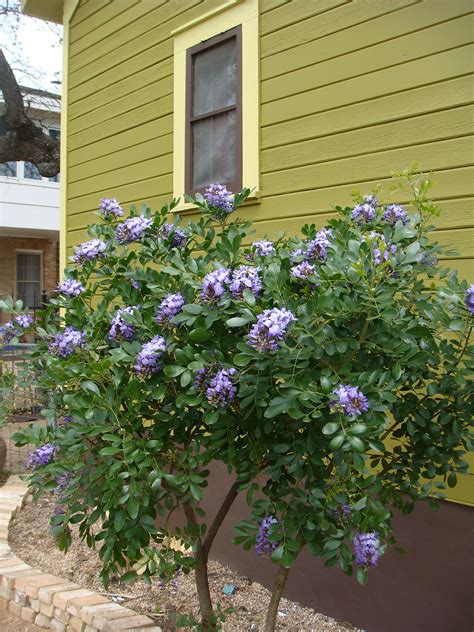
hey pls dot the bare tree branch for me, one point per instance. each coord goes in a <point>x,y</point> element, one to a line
<point>20,137</point>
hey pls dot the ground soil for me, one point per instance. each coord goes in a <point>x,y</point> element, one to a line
<point>10,623</point>
<point>30,540</point>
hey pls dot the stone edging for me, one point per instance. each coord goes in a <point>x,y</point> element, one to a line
<point>53,603</point>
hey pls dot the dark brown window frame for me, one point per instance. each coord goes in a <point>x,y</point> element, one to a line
<point>236,33</point>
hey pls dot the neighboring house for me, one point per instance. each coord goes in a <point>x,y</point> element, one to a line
<point>29,216</point>
<point>303,101</point>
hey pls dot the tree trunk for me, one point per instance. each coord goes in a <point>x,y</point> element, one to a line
<point>277,592</point>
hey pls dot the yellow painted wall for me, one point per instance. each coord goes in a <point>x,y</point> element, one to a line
<point>350,92</point>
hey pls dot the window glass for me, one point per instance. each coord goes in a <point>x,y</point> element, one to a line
<point>215,78</point>
<point>214,150</point>
<point>31,171</point>
<point>8,169</point>
<point>54,133</point>
<point>28,278</point>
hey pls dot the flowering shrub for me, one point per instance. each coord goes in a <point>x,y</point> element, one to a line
<point>328,371</point>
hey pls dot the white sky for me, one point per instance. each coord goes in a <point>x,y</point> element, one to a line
<point>36,55</point>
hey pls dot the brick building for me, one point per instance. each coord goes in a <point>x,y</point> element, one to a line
<point>29,216</point>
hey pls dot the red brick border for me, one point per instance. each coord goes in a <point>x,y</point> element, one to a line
<point>53,603</point>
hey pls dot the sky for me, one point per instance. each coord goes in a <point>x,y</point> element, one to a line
<point>33,49</point>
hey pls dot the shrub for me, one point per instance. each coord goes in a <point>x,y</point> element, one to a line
<point>328,372</point>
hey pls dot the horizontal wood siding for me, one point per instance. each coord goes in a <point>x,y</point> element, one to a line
<point>351,91</point>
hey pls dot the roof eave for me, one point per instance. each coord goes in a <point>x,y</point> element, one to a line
<point>50,10</point>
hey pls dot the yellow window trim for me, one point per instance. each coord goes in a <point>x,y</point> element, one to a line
<point>227,16</point>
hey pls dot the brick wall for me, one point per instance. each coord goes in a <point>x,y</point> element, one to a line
<point>8,247</point>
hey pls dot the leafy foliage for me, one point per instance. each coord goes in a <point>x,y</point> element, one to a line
<point>375,310</point>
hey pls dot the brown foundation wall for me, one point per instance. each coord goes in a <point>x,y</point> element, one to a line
<point>430,589</point>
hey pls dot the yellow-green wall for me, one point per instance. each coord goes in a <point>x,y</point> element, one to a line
<point>350,92</point>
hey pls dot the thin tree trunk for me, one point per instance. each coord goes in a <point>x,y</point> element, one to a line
<point>277,592</point>
<point>220,515</point>
<point>202,582</point>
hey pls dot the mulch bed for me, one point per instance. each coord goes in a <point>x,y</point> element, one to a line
<point>31,541</point>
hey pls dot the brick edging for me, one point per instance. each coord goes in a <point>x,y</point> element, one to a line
<point>51,602</point>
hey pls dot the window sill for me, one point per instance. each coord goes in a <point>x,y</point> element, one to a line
<point>187,208</point>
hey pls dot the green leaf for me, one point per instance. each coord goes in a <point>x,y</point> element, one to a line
<point>337,441</point>
<point>172,370</point>
<point>119,520</point>
<point>109,450</point>
<point>360,504</point>
<point>356,443</point>
<point>192,309</point>
<point>278,554</point>
<point>330,428</point>
<point>237,321</point>
<point>362,576</point>
<point>88,385</point>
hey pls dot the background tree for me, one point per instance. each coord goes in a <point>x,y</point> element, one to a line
<point>21,137</point>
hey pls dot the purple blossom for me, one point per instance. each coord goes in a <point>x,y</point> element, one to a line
<point>221,390</point>
<point>89,250</point>
<point>270,329</point>
<point>394,213</point>
<point>214,285</point>
<point>263,247</point>
<point>202,379</point>
<point>132,229</point>
<point>366,548</point>
<point>110,206</point>
<point>349,400</point>
<point>135,284</point>
<point>218,197</point>
<point>24,320</point>
<point>66,342</point>
<point>299,252</point>
<point>264,546</point>
<point>245,277</point>
<point>370,199</point>
<point>302,270</point>
<point>148,360</point>
<point>342,513</point>
<point>171,305</point>
<point>41,456</point>
<point>429,260</point>
<point>316,248</point>
<point>71,287</point>
<point>61,483</point>
<point>175,235</point>
<point>363,213</point>
<point>120,329</point>
<point>380,249</point>
<point>470,299</point>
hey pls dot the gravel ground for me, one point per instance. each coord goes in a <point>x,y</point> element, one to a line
<point>9,623</point>
<point>30,540</point>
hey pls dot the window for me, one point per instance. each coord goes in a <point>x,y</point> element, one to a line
<point>215,100</point>
<point>214,113</point>
<point>30,171</point>
<point>29,273</point>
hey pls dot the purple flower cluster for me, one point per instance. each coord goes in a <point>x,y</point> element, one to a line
<point>264,546</point>
<point>349,400</point>
<point>394,213</point>
<point>218,197</point>
<point>263,247</point>
<point>316,248</point>
<point>302,270</point>
<point>370,199</point>
<point>89,250</point>
<point>175,235</point>
<point>66,342</point>
<point>245,277</point>
<point>148,360</point>
<point>214,285</point>
<point>16,327</point>
<point>132,229</point>
<point>270,329</point>
<point>71,287</point>
<point>41,456</point>
<point>61,484</point>
<point>221,390</point>
<point>171,305</point>
<point>202,379</point>
<point>470,298</point>
<point>120,329</point>
<point>366,548</point>
<point>380,249</point>
<point>363,213</point>
<point>110,206</point>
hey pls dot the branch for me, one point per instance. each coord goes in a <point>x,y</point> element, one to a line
<point>20,137</point>
<point>219,517</point>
